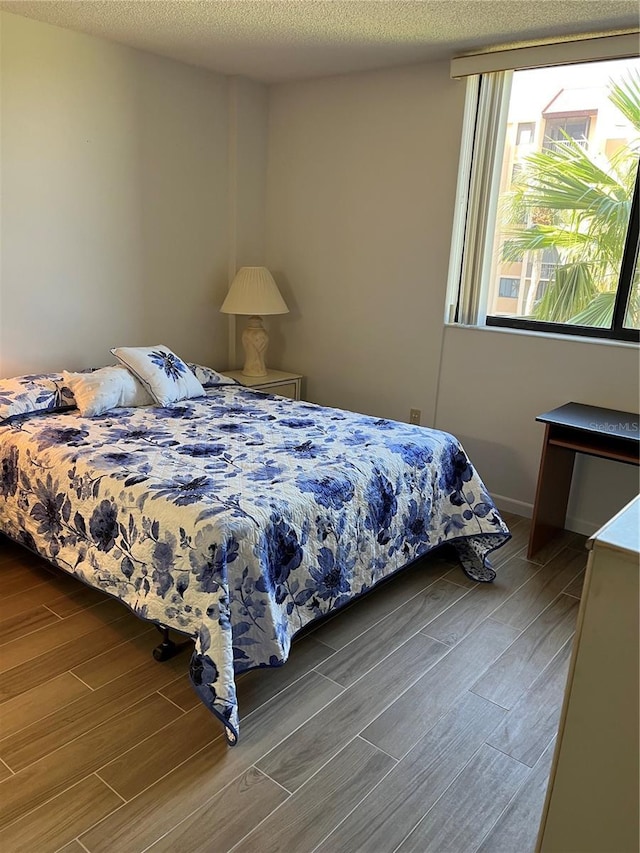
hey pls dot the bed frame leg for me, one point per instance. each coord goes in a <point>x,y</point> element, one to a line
<point>167,648</point>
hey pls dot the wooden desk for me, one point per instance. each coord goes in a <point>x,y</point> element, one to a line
<point>570,429</point>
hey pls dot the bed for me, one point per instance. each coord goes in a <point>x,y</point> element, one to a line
<point>238,517</point>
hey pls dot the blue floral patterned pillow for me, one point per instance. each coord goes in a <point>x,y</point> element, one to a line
<point>22,395</point>
<point>165,376</point>
<point>65,399</point>
<point>210,378</point>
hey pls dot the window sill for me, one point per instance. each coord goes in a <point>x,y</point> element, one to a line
<point>529,333</point>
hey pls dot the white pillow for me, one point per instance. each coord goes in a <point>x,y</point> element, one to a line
<point>104,389</point>
<point>162,372</point>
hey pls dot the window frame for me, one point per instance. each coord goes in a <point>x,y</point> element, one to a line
<point>467,288</point>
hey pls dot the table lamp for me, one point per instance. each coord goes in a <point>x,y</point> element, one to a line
<point>253,292</point>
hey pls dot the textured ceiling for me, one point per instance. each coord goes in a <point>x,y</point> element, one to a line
<point>275,40</point>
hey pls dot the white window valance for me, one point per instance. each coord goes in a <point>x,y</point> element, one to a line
<point>618,46</point>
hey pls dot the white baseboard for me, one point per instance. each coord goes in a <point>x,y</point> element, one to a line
<point>577,525</point>
<point>511,505</point>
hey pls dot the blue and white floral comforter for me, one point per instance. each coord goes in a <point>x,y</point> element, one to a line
<point>238,518</point>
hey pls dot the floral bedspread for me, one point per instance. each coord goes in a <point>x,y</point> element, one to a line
<point>239,517</point>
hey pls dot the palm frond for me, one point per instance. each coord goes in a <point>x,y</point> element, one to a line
<point>540,237</point>
<point>625,95</point>
<point>599,312</point>
<point>571,291</point>
<point>568,179</point>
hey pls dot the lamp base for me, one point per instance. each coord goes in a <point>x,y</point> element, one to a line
<point>255,341</point>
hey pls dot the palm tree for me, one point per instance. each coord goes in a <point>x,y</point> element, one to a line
<point>579,205</point>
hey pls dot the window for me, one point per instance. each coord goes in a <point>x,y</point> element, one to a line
<point>552,221</point>
<point>526,130</point>
<point>558,130</point>
<point>509,287</point>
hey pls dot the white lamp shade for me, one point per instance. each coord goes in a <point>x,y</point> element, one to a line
<point>253,291</point>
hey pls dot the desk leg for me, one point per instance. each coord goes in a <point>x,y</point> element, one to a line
<point>552,493</point>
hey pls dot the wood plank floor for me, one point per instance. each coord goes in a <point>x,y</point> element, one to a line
<point>420,718</point>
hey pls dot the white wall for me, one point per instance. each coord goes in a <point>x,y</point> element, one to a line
<point>361,180</point>
<point>358,226</point>
<point>116,200</point>
<point>493,384</point>
<point>248,115</point>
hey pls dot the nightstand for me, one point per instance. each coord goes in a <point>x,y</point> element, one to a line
<point>275,382</point>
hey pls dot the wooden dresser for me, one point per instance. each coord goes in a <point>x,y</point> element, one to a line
<point>592,803</point>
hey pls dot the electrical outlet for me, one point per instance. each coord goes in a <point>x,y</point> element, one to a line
<point>414,416</point>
